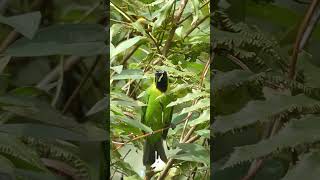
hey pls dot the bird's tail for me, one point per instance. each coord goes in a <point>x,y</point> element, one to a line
<point>149,155</point>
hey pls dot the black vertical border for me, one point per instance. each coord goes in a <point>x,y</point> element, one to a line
<point>106,144</point>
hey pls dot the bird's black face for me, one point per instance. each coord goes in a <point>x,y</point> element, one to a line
<point>161,80</point>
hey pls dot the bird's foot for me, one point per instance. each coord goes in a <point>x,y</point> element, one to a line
<point>172,126</point>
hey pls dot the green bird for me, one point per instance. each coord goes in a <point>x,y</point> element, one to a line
<point>157,115</point>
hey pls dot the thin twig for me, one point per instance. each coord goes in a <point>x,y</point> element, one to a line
<point>195,25</point>
<point>297,45</point>
<point>54,74</point>
<point>167,46</point>
<point>190,15</point>
<point>127,57</point>
<point>12,36</point>
<point>60,83</point>
<point>238,62</point>
<point>81,84</point>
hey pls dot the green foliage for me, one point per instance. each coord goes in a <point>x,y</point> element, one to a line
<point>140,33</point>
<point>46,51</point>
<point>261,115</point>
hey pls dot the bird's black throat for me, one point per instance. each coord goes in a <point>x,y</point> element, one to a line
<point>161,80</point>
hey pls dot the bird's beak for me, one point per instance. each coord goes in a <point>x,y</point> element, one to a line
<point>160,78</point>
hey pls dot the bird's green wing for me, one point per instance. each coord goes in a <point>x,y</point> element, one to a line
<point>144,108</point>
<point>167,116</point>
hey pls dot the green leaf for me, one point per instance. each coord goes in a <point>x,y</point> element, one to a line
<point>163,13</point>
<point>35,109</point>
<point>192,152</point>
<point>196,7</point>
<point>297,132</point>
<point>204,133</point>
<point>27,24</point>
<point>3,63</point>
<point>204,117</point>
<point>129,74</point>
<point>235,77</point>
<point>6,167</point>
<point>189,97</point>
<point>261,111</point>
<point>125,45</point>
<point>203,103</point>
<point>35,175</point>
<point>307,168</point>
<point>62,39</point>
<point>99,106</point>
<point>117,69</point>
<point>19,154</point>
<point>133,123</point>
<point>137,25</point>
<point>91,133</point>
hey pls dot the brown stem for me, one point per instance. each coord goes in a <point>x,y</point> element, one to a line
<point>195,25</point>
<point>167,46</point>
<point>69,63</point>
<point>81,84</point>
<point>238,62</point>
<point>12,36</point>
<point>190,15</point>
<point>62,167</point>
<point>302,29</point>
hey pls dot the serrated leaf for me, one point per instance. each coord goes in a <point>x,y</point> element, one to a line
<point>192,152</point>
<point>91,133</point>
<point>15,150</point>
<point>62,39</point>
<point>204,117</point>
<point>234,77</point>
<point>307,168</point>
<point>261,111</point>
<point>298,131</point>
<point>189,97</point>
<point>26,24</point>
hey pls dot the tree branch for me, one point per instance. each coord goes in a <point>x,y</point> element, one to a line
<point>176,20</point>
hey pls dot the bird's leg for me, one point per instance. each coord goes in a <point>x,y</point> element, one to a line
<point>149,173</point>
<point>172,126</point>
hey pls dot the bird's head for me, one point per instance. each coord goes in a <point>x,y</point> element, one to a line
<point>161,80</point>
